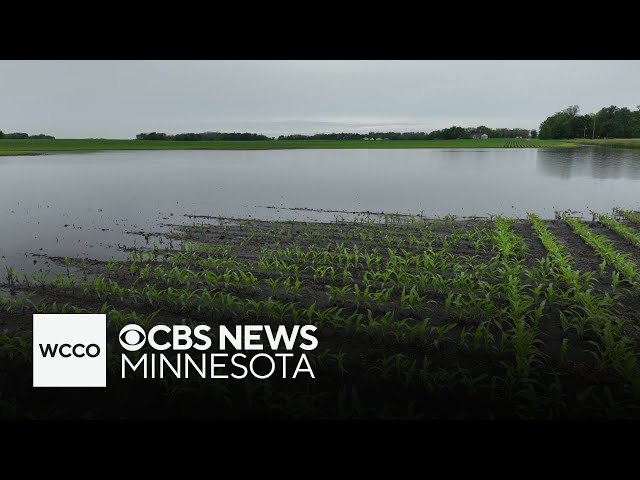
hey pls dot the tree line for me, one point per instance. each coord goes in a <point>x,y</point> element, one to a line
<point>451,133</point>
<point>25,136</point>
<point>608,122</point>
<point>194,137</point>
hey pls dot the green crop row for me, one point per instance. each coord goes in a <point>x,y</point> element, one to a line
<point>605,249</point>
<point>633,217</point>
<point>622,230</point>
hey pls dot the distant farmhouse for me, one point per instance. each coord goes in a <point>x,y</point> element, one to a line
<point>480,136</point>
<point>524,135</point>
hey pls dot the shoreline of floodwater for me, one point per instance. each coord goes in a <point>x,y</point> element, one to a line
<point>33,147</point>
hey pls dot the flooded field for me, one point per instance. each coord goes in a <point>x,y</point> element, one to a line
<point>529,314</point>
<point>86,204</point>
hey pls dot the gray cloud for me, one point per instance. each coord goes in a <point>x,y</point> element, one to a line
<point>117,99</point>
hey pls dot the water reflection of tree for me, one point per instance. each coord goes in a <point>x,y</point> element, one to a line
<point>591,162</point>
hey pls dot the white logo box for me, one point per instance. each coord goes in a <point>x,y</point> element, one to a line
<point>80,346</point>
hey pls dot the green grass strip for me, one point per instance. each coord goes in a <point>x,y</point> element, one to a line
<point>605,249</point>
<point>32,146</point>
<point>613,143</point>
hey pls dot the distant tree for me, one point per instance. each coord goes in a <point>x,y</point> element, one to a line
<point>41,136</point>
<point>611,122</point>
<point>24,136</point>
<point>572,110</point>
<point>635,123</point>
<point>205,136</point>
<point>534,133</point>
<point>563,124</point>
<point>614,122</point>
<point>151,136</point>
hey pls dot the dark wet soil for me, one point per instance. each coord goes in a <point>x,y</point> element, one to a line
<point>354,386</point>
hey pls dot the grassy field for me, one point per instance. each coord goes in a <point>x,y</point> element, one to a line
<point>29,147</point>
<point>614,143</point>
<point>416,318</point>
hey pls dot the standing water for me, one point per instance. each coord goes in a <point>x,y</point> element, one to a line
<point>87,205</point>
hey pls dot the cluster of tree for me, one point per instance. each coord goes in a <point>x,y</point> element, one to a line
<point>450,133</point>
<point>202,136</point>
<point>609,122</point>
<point>326,136</point>
<point>25,136</point>
<point>459,132</point>
<point>503,132</point>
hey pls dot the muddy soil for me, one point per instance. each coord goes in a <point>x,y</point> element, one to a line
<point>362,375</point>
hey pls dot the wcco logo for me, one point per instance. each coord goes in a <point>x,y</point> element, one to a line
<point>69,350</point>
<point>78,350</point>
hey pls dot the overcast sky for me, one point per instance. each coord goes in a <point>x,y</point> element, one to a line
<point>118,99</point>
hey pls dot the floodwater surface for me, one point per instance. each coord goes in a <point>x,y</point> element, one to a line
<point>87,205</point>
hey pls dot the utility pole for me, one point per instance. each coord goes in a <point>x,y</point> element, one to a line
<point>593,133</point>
<point>585,132</point>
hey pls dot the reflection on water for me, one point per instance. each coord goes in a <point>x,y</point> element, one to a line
<point>84,204</point>
<point>590,162</point>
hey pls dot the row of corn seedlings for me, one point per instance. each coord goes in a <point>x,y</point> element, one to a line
<point>612,224</point>
<point>586,310</point>
<point>605,249</point>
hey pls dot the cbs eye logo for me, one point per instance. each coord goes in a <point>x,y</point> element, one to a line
<point>132,337</point>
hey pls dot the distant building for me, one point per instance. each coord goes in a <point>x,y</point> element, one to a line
<point>366,138</point>
<point>479,136</point>
<point>519,135</point>
<point>378,139</point>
